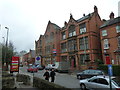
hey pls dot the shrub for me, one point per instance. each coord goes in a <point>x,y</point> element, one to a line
<point>8,82</point>
<point>43,85</point>
<point>115,69</point>
<point>23,78</point>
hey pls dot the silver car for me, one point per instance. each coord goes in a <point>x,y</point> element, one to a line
<point>99,83</point>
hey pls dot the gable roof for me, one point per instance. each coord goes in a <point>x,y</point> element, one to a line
<point>111,22</point>
<point>55,26</point>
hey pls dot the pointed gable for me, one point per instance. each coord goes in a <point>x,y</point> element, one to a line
<point>71,20</point>
<point>51,26</point>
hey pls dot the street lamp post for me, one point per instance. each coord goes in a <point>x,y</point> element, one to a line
<point>6,47</point>
<point>7,35</point>
<point>3,40</point>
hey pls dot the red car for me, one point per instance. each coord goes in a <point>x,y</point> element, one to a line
<point>32,69</point>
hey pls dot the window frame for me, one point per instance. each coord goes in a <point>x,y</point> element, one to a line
<point>106,44</point>
<point>71,31</point>
<point>104,33</point>
<point>81,43</point>
<point>63,35</point>
<point>118,28</point>
<point>118,41</point>
<point>82,28</point>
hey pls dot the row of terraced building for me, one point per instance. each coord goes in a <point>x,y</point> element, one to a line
<point>81,42</point>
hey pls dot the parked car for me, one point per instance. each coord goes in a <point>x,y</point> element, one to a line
<point>99,82</point>
<point>49,67</point>
<point>39,67</point>
<point>32,69</point>
<point>89,73</point>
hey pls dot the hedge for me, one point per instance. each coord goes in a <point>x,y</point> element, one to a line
<point>115,68</point>
<point>8,81</point>
<point>23,78</point>
<point>43,85</point>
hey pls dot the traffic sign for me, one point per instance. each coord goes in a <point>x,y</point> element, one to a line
<point>38,58</point>
<point>110,72</point>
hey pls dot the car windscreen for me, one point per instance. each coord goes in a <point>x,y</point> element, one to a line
<point>116,81</point>
<point>95,72</point>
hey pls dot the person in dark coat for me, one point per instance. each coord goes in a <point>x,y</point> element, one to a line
<point>52,75</point>
<point>46,75</point>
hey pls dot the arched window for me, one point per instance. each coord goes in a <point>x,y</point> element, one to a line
<point>72,31</point>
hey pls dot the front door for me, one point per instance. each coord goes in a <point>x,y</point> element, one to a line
<point>72,62</point>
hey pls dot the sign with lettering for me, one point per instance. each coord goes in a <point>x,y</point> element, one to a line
<point>15,64</point>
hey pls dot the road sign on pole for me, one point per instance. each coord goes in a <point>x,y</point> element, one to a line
<point>110,72</point>
<point>38,60</point>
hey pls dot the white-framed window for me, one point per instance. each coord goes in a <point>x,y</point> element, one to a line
<point>70,34</point>
<point>82,28</point>
<point>118,28</point>
<point>74,33</point>
<point>106,44</point>
<point>63,35</point>
<point>104,33</point>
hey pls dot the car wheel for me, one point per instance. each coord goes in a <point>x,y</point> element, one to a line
<point>83,87</point>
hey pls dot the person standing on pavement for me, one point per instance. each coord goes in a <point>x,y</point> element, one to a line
<point>46,75</point>
<point>52,75</point>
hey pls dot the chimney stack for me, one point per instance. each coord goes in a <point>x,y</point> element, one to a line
<point>95,9</point>
<point>65,23</point>
<point>84,14</point>
<point>71,16</point>
<point>111,15</point>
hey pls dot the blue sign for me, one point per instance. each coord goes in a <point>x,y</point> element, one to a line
<point>110,70</point>
<point>37,58</point>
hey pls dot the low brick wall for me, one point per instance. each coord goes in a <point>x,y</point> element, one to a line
<point>6,74</point>
<point>43,85</point>
<point>23,78</point>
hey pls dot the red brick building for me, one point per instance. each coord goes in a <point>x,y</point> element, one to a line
<point>80,40</point>
<point>29,58</point>
<point>48,45</point>
<point>110,40</point>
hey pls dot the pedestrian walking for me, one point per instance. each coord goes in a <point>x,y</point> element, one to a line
<point>52,75</point>
<point>46,75</point>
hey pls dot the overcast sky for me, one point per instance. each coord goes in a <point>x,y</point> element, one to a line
<point>27,19</point>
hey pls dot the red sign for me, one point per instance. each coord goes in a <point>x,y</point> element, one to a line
<point>54,50</point>
<point>14,64</point>
<point>107,60</point>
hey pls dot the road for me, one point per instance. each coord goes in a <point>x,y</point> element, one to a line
<point>63,79</point>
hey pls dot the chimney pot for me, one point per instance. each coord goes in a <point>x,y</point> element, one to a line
<point>111,15</point>
<point>95,9</point>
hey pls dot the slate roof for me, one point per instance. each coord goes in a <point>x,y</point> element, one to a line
<point>56,26</point>
<point>111,22</point>
<point>85,17</point>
